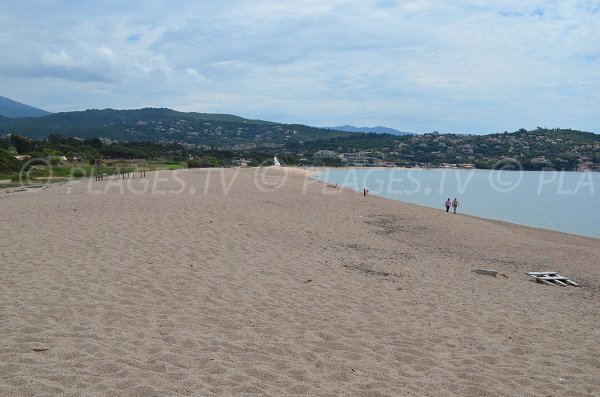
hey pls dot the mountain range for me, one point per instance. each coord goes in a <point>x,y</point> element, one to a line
<point>166,125</point>
<point>378,130</point>
<point>10,108</point>
<point>14,109</point>
<point>558,149</point>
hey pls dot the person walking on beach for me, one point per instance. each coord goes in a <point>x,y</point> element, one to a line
<point>447,204</point>
<point>365,191</point>
<point>455,204</point>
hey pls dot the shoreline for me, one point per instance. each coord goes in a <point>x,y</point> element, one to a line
<point>435,208</point>
<point>298,171</point>
<point>445,168</point>
<point>281,286</point>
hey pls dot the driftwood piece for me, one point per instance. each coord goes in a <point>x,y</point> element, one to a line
<point>487,272</point>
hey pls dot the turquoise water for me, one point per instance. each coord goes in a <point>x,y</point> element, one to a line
<point>563,201</point>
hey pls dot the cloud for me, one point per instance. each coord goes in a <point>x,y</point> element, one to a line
<point>414,65</point>
<point>60,59</point>
<point>195,76</point>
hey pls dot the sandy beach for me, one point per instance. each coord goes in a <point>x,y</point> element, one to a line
<point>251,282</point>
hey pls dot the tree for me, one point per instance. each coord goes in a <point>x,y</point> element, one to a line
<point>8,162</point>
<point>21,143</point>
<point>332,162</point>
<point>203,162</point>
<point>5,143</point>
<point>55,161</point>
<point>94,142</point>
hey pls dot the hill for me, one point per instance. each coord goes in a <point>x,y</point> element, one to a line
<point>166,125</point>
<point>10,108</point>
<point>377,130</point>
<point>542,148</point>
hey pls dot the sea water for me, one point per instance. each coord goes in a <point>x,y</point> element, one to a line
<point>563,201</point>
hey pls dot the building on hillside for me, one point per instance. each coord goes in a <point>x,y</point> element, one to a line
<point>325,153</point>
<point>356,157</point>
<point>240,163</point>
<point>360,158</point>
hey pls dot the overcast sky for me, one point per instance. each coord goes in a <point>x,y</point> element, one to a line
<point>469,66</point>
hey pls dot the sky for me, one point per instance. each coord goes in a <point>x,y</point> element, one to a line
<point>462,66</point>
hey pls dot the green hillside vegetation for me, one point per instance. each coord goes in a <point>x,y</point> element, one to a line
<point>44,158</point>
<point>540,149</point>
<point>175,136</point>
<point>8,162</point>
<point>163,125</point>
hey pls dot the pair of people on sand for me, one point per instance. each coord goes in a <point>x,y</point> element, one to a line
<point>449,203</point>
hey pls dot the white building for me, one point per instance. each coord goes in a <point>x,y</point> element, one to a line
<point>325,153</point>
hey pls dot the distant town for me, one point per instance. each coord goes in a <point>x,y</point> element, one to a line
<point>531,150</point>
<point>216,140</point>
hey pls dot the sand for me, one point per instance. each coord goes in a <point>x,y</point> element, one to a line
<point>244,282</point>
